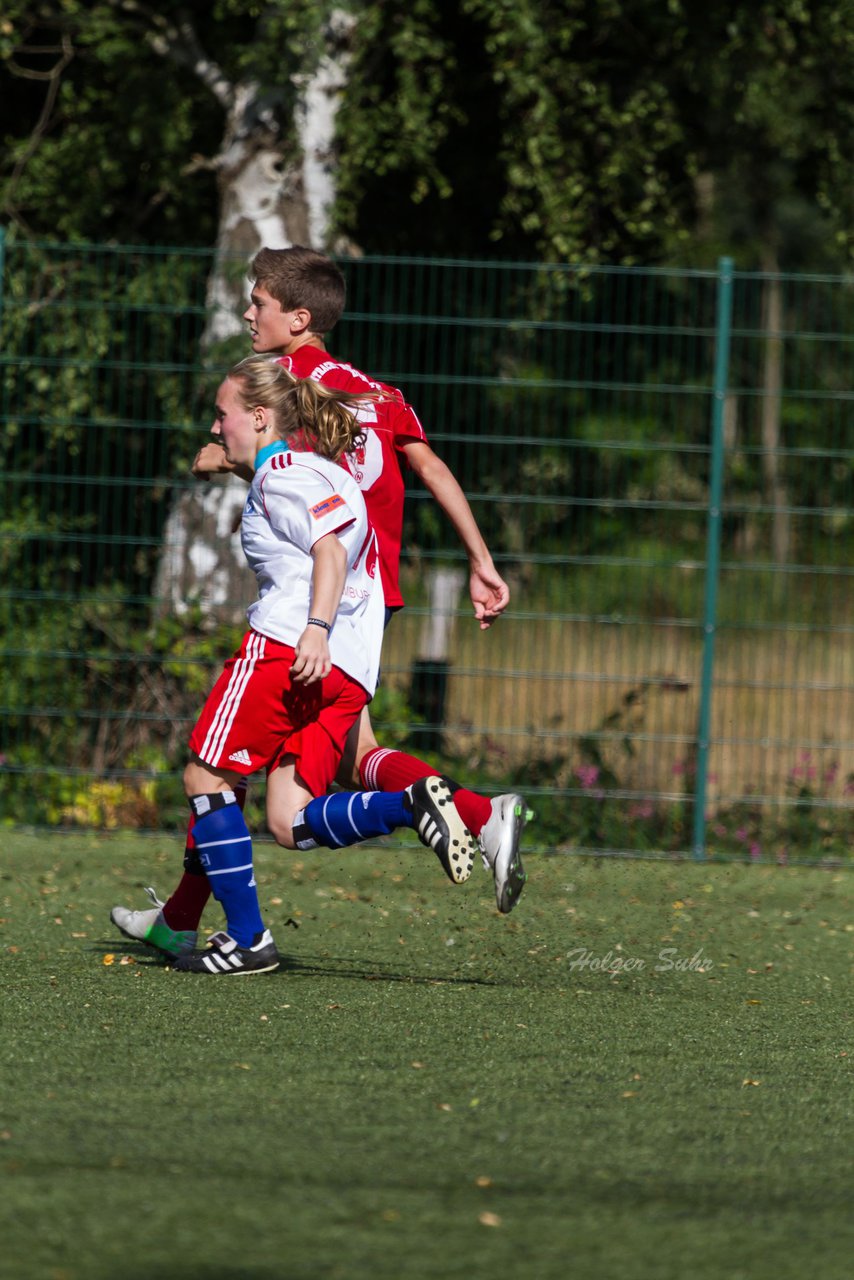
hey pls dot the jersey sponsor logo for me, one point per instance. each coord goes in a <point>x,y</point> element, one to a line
<point>321,509</point>
<point>241,757</point>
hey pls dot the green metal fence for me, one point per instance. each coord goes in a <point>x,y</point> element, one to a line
<point>661,461</point>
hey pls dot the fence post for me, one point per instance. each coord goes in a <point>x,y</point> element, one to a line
<point>429,683</point>
<point>2,268</point>
<point>723,325</point>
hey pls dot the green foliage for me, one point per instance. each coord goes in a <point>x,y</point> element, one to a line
<point>616,132</point>
<point>623,131</point>
<point>99,385</point>
<point>101,703</point>
<point>777,104</point>
<point>91,151</point>
<point>393,718</point>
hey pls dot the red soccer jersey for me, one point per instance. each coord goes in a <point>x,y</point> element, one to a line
<point>389,424</point>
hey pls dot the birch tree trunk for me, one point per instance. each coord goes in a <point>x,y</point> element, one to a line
<point>272,194</point>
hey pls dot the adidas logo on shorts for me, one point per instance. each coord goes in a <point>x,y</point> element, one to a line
<point>241,757</point>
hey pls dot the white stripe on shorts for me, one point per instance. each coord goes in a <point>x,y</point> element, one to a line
<point>226,711</point>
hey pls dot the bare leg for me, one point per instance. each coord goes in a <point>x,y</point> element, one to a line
<point>286,796</point>
<point>360,740</point>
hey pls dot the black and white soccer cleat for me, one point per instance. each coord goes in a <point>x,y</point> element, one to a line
<point>226,956</point>
<point>438,824</point>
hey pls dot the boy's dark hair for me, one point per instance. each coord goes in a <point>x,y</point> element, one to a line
<point>300,277</point>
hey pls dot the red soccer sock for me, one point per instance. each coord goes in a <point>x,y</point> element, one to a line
<point>385,770</point>
<point>186,905</point>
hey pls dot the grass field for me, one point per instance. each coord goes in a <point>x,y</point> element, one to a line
<point>428,1089</point>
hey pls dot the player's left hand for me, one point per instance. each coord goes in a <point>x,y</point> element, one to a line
<point>311,657</point>
<point>211,461</point>
<point>490,595</point>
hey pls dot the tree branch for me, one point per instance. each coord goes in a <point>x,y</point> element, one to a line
<point>53,78</point>
<point>179,43</point>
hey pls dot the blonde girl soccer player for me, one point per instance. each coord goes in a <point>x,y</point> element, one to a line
<point>308,664</point>
<point>297,296</point>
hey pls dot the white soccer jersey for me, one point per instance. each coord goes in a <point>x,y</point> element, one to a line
<point>294,500</point>
<point>390,424</point>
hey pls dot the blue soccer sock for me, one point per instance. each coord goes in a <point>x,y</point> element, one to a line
<point>225,850</point>
<point>350,816</point>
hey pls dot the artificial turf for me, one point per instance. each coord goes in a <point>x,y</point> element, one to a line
<point>426,1088</point>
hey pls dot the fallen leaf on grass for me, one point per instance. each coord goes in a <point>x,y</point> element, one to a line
<point>483,1181</point>
<point>109,958</point>
<point>748,1081</point>
<point>489,1220</point>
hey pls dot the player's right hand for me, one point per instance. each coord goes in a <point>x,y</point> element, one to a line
<point>311,657</point>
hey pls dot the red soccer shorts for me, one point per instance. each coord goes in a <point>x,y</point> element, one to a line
<point>254,715</point>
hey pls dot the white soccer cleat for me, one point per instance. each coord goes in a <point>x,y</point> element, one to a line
<point>150,927</point>
<point>499,846</point>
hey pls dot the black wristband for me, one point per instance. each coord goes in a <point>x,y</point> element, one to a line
<point>318,622</point>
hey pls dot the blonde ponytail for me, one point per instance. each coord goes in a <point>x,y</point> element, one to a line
<point>307,414</point>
